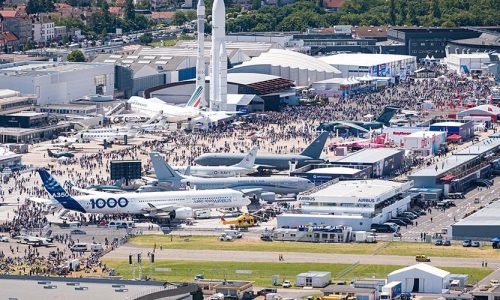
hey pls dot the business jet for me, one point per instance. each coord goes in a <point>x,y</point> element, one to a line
<point>172,113</point>
<point>245,166</point>
<point>35,241</point>
<point>173,205</point>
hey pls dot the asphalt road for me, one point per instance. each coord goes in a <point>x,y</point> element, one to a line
<point>444,219</point>
<point>297,257</point>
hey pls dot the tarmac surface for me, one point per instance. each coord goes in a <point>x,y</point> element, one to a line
<point>295,257</point>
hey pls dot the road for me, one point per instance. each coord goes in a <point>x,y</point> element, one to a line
<point>444,219</point>
<point>296,257</point>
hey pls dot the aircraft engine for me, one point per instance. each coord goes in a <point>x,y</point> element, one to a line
<point>182,213</point>
<point>269,197</point>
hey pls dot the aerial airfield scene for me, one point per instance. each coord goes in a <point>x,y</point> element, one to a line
<point>249,150</point>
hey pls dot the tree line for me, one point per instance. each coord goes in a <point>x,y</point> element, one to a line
<point>310,14</point>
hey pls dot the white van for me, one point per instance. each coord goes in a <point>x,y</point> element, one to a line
<point>202,214</point>
<point>121,224</point>
<point>96,248</point>
<point>80,247</point>
<point>235,234</point>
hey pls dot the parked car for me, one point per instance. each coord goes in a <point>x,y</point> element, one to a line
<point>447,243</point>
<point>287,284</point>
<point>77,232</point>
<point>397,221</point>
<point>264,292</point>
<point>4,239</point>
<point>225,238</point>
<point>466,243</point>
<point>422,258</point>
<point>475,244</point>
<point>438,243</point>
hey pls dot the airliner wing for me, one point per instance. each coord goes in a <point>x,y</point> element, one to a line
<point>44,201</point>
<point>89,192</point>
<point>251,192</point>
<point>156,209</point>
<point>354,126</point>
<point>265,167</point>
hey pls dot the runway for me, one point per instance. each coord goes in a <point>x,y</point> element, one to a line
<point>296,257</point>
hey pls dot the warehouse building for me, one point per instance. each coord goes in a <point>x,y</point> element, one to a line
<point>487,42</point>
<point>376,65</point>
<point>322,173</point>
<point>9,159</point>
<point>58,83</point>
<point>144,68</point>
<point>300,68</point>
<point>421,278</point>
<point>460,171</point>
<point>353,203</point>
<point>481,225</point>
<point>13,101</point>
<point>424,143</point>
<point>485,110</point>
<point>467,63</point>
<point>464,129</point>
<point>382,161</point>
<point>270,89</point>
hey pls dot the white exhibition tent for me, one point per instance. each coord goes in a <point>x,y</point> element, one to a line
<point>420,278</point>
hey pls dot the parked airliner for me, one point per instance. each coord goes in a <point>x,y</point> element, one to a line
<point>176,205</point>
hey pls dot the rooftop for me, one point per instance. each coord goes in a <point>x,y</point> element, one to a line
<point>27,114</point>
<point>448,124</point>
<point>486,216</point>
<point>471,55</point>
<point>444,166</point>
<point>42,68</point>
<point>371,189</point>
<point>422,267</point>
<point>315,274</point>
<point>363,59</point>
<point>480,148</point>
<point>291,59</point>
<point>335,170</point>
<point>369,156</point>
<point>485,108</point>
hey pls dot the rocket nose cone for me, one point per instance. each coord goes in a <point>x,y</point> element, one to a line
<point>200,7</point>
<point>218,10</point>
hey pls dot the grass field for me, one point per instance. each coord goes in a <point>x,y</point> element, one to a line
<point>262,273</point>
<point>412,249</point>
<point>394,248</point>
<point>211,243</point>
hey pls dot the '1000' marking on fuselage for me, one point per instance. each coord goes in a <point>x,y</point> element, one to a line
<point>101,203</point>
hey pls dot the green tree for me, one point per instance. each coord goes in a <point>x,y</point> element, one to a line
<point>448,24</point>
<point>179,18</point>
<point>435,10</point>
<point>191,14</point>
<point>76,56</point>
<point>146,38</point>
<point>39,6</point>
<point>256,4</point>
<point>403,11</point>
<point>392,12</point>
<point>129,13</point>
<point>411,17</point>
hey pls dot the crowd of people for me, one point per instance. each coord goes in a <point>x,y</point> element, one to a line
<point>286,131</point>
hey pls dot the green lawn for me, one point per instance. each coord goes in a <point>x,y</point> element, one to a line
<point>394,248</point>
<point>211,243</point>
<point>412,249</point>
<point>262,273</point>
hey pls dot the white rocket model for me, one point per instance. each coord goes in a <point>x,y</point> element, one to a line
<point>218,75</point>
<point>200,61</point>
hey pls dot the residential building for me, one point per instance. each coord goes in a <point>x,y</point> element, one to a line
<point>8,42</point>
<point>43,28</point>
<point>162,16</point>
<point>332,5</point>
<point>18,23</point>
<point>60,31</point>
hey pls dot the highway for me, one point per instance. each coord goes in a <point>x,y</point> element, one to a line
<point>297,257</point>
